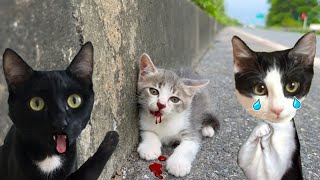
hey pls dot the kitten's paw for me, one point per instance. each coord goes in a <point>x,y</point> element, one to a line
<point>207,131</point>
<point>263,130</point>
<point>149,151</point>
<point>178,166</point>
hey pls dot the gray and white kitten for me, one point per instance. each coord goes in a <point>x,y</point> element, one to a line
<point>272,150</point>
<point>173,108</point>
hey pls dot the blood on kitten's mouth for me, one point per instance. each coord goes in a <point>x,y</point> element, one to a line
<point>61,142</point>
<point>158,115</point>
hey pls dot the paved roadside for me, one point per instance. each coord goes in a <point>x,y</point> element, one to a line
<point>217,158</point>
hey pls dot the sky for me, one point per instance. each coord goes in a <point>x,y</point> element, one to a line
<point>245,11</point>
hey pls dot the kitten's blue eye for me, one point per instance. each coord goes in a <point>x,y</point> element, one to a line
<point>260,89</point>
<point>174,99</point>
<point>74,101</point>
<point>37,103</point>
<point>153,91</point>
<point>292,87</point>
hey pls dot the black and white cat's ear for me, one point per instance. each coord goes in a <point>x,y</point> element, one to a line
<point>146,66</point>
<point>304,49</point>
<point>82,64</point>
<point>16,71</point>
<point>194,86</point>
<point>243,56</point>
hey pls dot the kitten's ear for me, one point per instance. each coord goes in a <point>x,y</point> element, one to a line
<point>146,66</point>
<point>305,48</point>
<point>243,56</point>
<point>16,71</point>
<point>82,64</point>
<point>194,86</point>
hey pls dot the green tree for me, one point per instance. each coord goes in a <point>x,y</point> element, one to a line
<point>287,13</point>
<point>215,8</point>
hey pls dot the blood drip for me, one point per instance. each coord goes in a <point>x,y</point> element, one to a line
<point>156,168</point>
<point>162,158</point>
<point>158,115</point>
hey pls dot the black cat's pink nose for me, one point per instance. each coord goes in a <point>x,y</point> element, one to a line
<point>277,111</point>
<point>160,105</point>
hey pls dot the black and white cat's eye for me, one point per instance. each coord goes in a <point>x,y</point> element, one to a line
<point>292,87</point>
<point>36,103</point>
<point>260,89</point>
<point>153,91</point>
<point>74,101</point>
<point>174,99</point>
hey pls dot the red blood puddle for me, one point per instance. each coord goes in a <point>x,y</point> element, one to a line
<point>158,115</point>
<point>156,168</point>
<point>162,158</point>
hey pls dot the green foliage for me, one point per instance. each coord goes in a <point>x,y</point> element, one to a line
<point>215,8</point>
<point>289,22</point>
<point>287,13</point>
<point>314,14</point>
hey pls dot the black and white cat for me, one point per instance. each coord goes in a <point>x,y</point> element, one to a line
<point>49,110</point>
<point>174,107</point>
<point>272,150</point>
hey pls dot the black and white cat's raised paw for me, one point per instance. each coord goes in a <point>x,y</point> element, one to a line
<point>262,130</point>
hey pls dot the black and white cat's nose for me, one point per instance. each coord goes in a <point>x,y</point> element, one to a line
<point>277,111</point>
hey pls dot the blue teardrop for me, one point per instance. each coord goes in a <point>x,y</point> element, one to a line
<point>257,106</point>
<point>296,103</point>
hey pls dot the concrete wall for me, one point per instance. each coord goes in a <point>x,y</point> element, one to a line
<point>47,34</point>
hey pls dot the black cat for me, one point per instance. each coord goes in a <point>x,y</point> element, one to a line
<point>49,110</point>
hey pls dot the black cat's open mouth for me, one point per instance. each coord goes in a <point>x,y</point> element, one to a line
<point>61,142</point>
<point>158,115</point>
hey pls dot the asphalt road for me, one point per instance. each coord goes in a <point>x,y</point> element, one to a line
<point>284,38</point>
<point>217,158</point>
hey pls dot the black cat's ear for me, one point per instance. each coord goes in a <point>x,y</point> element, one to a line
<point>243,56</point>
<point>81,66</point>
<point>304,49</point>
<point>16,71</point>
<point>146,66</point>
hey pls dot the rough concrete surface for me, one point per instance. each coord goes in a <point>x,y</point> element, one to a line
<point>218,155</point>
<point>47,34</point>
<point>37,31</point>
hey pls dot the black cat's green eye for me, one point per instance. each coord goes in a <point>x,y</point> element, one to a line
<point>36,103</point>
<point>153,91</point>
<point>260,89</point>
<point>292,87</point>
<point>174,99</point>
<point>74,101</point>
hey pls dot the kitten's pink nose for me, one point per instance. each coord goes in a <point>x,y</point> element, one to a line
<point>277,110</point>
<point>160,106</point>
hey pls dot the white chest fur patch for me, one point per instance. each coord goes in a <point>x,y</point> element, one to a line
<point>276,157</point>
<point>49,164</point>
<point>168,127</point>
